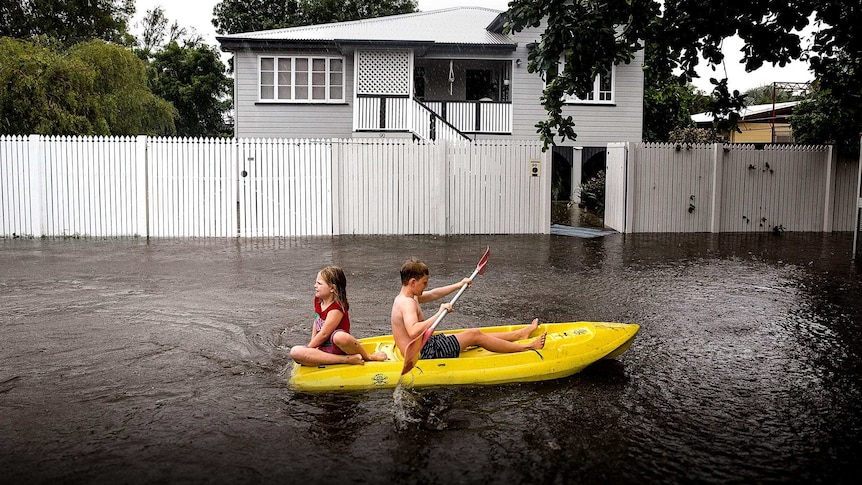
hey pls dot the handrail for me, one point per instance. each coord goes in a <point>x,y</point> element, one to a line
<point>438,118</point>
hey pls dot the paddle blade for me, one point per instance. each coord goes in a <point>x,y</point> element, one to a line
<point>414,350</point>
<point>480,268</point>
<point>411,358</point>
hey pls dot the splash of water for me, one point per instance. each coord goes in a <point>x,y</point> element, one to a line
<point>406,407</point>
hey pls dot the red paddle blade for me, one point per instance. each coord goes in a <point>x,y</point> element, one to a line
<point>414,350</point>
<point>482,262</point>
<point>411,359</point>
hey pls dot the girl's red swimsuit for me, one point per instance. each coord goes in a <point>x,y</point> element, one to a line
<point>320,318</point>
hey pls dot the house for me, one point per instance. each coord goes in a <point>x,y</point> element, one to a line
<point>445,74</point>
<point>759,123</point>
<point>390,74</point>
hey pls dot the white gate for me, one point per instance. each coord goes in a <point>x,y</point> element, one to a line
<point>285,187</point>
<point>615,186</point>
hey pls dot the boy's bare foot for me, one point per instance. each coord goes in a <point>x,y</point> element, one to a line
<point>538,343</point>
<point>377,356</point>
<point>526,331</point>
<point>355,359</point>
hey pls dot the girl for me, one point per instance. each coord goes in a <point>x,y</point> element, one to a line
<point>331,342</point>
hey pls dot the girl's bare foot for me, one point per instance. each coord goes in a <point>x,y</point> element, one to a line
<point>355,359</point>
<point>538,343</point>
<point>377,356</point>
<point>526,331</point>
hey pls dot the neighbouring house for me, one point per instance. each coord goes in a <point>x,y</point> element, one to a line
<point>759,123</point>
<point>449,74</point>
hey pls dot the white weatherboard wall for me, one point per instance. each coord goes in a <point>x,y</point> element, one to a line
<point>729,188</point>
<point>178,187</point>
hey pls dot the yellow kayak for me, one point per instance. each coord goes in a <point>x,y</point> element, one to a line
<point>569,348</point>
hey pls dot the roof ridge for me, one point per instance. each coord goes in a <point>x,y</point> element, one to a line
<point>330,25</point>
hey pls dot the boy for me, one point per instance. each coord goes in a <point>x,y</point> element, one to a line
<point>408,322</point>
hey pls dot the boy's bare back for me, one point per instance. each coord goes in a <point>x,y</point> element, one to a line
<point>405,312</point>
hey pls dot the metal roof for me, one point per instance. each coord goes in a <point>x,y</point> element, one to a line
<point>457,26</point>
<point>746,113</point>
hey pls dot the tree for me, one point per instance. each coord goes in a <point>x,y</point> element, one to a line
<point>155,33</point>
<point>93,89</point>
<point>590,35</point>
<point>669,101</point>
<point>233,16</point>
<point>192,77</point>
<point>44,92</point>
<point>13,19</point>
<point>834,115</point>
<point>823,120</point>
<point>68,21</point>
<point>188,73</point>
<point>325,11</point>
<point>584,37</point>
<point>123,98</point>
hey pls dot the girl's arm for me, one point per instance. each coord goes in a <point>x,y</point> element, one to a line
<point>442,291</point>
<point>333,318</point>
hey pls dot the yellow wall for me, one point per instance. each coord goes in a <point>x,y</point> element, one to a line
<point>758,132</point>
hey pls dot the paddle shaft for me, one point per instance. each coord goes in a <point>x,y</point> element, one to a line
<point>451,302</point>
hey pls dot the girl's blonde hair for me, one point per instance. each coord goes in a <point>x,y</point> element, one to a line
<point>334,276</point>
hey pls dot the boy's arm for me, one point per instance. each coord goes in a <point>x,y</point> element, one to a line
<point>437,293</point>
<point>408,310</point>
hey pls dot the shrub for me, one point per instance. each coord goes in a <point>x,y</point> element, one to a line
<point>593,194</point>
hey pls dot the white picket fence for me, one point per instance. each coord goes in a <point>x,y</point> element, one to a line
<point>729,188</point>
<point>175,187</point>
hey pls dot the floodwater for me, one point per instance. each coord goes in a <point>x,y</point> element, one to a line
<point>127,361</point>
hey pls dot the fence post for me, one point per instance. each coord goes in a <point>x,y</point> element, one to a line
<point>235,167</point>
<point>547,175</point>
<point>440,189</point>
<point>858,197</point>
<point>829,197</point>
<point>36,156</point>
<point>336,158</point>
<point>142,186</point>
<point>717,169</point>
<point>631,157</point>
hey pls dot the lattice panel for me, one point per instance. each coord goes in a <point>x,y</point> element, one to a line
<point>384,72</point>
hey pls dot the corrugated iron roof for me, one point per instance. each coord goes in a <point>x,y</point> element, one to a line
<point>747,112</point>
<point>457,25</point>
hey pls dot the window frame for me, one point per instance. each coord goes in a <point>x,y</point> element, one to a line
<point>309,83</point>
<point>596,92</point>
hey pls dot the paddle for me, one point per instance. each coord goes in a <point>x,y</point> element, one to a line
<point>414,348</point>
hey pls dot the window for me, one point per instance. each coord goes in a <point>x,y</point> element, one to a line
<point>302,79</point>
<point>602,93</point>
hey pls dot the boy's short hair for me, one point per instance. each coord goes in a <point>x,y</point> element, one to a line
<point>413,268</point>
